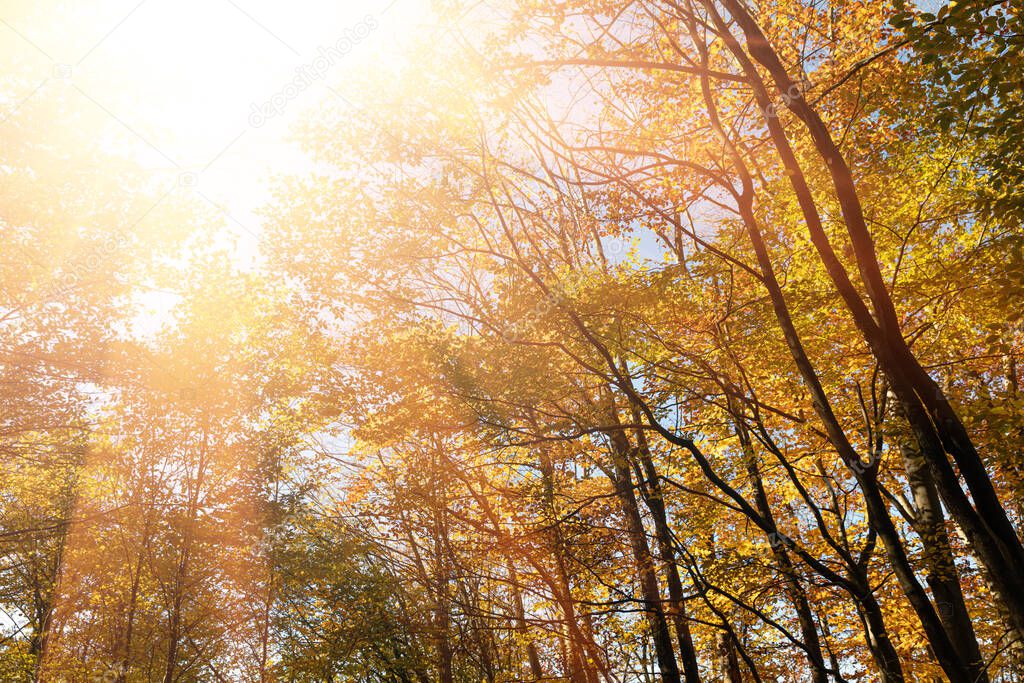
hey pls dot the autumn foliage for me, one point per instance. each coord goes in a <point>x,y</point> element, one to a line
<point>606,342</point>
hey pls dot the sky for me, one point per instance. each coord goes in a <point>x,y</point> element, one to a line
<point>203,93</point>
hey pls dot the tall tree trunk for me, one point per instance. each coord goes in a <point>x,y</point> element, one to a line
<point>442,576</point>
<point>580,669</point>
<point>442,638</point>
<point>655,499</point>
<point>519,610</point>
<point>783,564</point>
<point>181,574</point>
<point>46,596</point>
<point>877,511</point>
<point>728,661</point>
<point>865,475</point>
<point>942,574</point>
<point>882,649</point>
<point>129,630</point>
<point>646,574</point>
<point>936,425</point>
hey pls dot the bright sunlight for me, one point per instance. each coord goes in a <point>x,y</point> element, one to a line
<point>672,341</point>
<point>203,94</point>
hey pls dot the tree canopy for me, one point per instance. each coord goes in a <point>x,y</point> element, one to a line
<point>671,340</point>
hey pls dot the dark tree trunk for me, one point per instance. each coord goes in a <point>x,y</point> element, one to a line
<point>728,661</point>
<point>532,657</point>
<point>936,425</point>
<point>794,590</point>
<point>646,574</point>
<point>655,499</point>
<point>942,574</point>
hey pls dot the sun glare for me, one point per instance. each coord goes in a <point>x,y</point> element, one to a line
<point>203,93</point>
<point>658,341</point>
